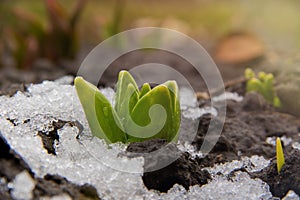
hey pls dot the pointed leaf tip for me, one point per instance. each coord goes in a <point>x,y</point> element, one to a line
<point>124,80</point>
<point>279,155</point>
<point>77,80</point>
<point>103,121</point>
<point>144,90</point>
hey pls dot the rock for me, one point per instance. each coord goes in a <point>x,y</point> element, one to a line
<point>255,102</point>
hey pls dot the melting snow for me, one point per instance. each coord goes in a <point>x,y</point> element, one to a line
<point>22,186</point>
<point>228,96</point>
<point>89,160</point>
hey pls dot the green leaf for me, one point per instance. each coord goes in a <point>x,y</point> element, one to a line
<point>276,102</point>
<point>262,76</point>
<point>254,85</point>
<point>127,95</point>
<point>173,89</point>
<point>125,91</point>
<point>144,90</point>
<point>129,100</point>
<point>152,117</point>
<point>268,90</point>
<point>279,155</point>
<point>109,120</point>
<point>264,85</point>
<point>94,103</point>
<point>174,93</point>
<point>249,73</point>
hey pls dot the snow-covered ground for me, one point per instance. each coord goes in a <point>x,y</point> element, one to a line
<point>88,160</point>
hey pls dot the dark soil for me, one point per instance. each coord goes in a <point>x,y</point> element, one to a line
<point>248,124</point>
<point>13,80</point>
<point>137,148</point>
<point>51,185</point>
<point>246,129</point>
<point>289,177</point>
<point>224,150</point>
<point>49,138</point>
<point>139,57</point>
<point>183,171</point>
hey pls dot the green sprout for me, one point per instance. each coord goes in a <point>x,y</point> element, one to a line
<point>263,84</point>
<point>279,155</point>
<point>137,115</point>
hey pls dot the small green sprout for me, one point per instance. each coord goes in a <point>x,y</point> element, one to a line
<point>263,84</point>
<point>137,115</point>
<point>279,155</point>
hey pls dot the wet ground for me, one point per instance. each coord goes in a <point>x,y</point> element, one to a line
<point>248,130</point>
<point>249,127</point>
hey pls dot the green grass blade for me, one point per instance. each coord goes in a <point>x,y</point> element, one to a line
<point>279,155</point>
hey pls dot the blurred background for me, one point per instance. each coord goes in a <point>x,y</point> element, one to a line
<point>44,40</point>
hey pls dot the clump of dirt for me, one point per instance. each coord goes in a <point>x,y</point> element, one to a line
<point>51,185</point>
<point>288,179</point>
<point>16,122</point>
<point>148,146</point>
<point>255,102</point>
<point>49,138</point>
<point>11,164</point>
<point>12,121</point>
<point>183,171</point>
